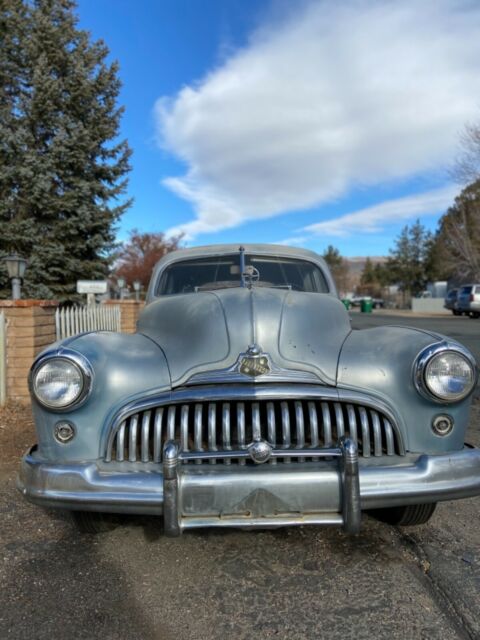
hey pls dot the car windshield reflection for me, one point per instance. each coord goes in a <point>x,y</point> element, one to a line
<point>222,272</point>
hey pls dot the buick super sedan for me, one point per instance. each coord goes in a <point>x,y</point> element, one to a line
<point>245,399</point>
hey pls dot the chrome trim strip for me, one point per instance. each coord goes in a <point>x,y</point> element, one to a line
<point>377,434</point>
<point>352,423</point>
<point>226,441</point>
<point>157,435</point>
<point>339,419</point>
<point>121,443</point>
<point>145,436</point>
<point>285,427</point>
<point>132,439</point>
<point>365,432</point>
<point>241,426</point>
<point>198,429</point>
<point>212,422</point>
<point>390,438</point>
<point>327,425</point>
<point>331,452</point>
<point>300,425</point>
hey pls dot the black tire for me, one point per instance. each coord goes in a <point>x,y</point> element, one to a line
<point>93,522</point>
<point>408,516</point>
<point>456,313</point>
<point>474,314</point>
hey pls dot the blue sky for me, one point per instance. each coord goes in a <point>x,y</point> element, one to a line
<point>310,123</point>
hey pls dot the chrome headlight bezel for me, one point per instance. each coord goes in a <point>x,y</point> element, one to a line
<point>73,358</point>
<point>425,358</point>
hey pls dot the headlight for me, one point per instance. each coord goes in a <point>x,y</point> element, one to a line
<point>446,374</point>
<point>59,382</point>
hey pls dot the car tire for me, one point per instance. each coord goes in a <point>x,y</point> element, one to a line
<point>407,516</point>
<point>456,313</point>
<point>93,522</point>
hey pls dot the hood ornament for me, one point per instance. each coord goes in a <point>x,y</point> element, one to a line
<point>254,362</point>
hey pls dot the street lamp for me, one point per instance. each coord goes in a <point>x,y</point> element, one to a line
<point>121,285</point>
<point>137,286</point>
<point>16,266</point>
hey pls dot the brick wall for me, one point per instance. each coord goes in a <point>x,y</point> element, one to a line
<point>130,310</point>
<point>30,327</point>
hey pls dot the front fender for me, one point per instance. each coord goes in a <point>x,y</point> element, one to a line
<point>125,367</point>
<point>380,361</point>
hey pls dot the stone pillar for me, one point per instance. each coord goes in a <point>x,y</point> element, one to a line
<point>30,327</point>
<point>130,310</point>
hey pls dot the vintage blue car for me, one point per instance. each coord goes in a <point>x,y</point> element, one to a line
<point>246,400</point>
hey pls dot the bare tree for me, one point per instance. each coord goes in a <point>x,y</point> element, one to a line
<point>458,238</point>
<point>467,165</point>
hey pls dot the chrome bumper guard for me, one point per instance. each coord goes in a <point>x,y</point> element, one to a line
<point>346,452</point>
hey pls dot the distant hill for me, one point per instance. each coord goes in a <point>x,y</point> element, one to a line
<point>356,265</point>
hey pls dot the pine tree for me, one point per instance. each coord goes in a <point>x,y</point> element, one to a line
<point>62,169</point>
<point>338,267</point>
<point>408,263</point>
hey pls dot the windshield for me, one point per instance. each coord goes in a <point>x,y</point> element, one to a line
<point>221,272</point>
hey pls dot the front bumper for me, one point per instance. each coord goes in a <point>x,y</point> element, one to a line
<point>190,496</point>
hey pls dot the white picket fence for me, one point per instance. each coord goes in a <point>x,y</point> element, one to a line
<point>73,320</point>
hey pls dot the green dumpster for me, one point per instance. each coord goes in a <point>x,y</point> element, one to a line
<point>366,305</point>
<point>346,303</point>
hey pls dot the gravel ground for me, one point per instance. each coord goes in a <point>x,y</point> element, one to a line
<point>303,583</point>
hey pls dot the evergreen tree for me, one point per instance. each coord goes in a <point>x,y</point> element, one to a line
<point>368,277</point>
<point>62,169</point>
<point>338,267</point>
<point>408,264</point>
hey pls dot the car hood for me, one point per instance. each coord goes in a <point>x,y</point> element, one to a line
<point>206,333</point>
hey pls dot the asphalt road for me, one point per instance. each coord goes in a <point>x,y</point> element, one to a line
<point>304,583</point>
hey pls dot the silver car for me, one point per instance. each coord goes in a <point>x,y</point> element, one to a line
<point>469,300</point>
<point>246,400</point>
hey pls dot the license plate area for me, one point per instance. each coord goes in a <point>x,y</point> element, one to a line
<point>324,492</point>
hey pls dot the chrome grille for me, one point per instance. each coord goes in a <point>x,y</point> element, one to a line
<point>217,426</point>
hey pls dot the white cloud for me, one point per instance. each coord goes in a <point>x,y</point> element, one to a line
<point>372,219</point>
<point>336,96</point>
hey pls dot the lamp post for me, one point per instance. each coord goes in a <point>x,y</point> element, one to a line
<point>136,286</point>
<point>121,285</point>
<point>16,266</point>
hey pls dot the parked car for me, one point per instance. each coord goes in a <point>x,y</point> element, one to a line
<point>451,302</point>
<point>246,400</point>
<point>469,300</point>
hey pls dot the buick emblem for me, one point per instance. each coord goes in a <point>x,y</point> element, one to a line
<point>260,451</point>
<point>254,366</point>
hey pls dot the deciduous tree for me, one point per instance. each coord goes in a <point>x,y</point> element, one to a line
<point>138,256</point>
<point>457,244</point>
